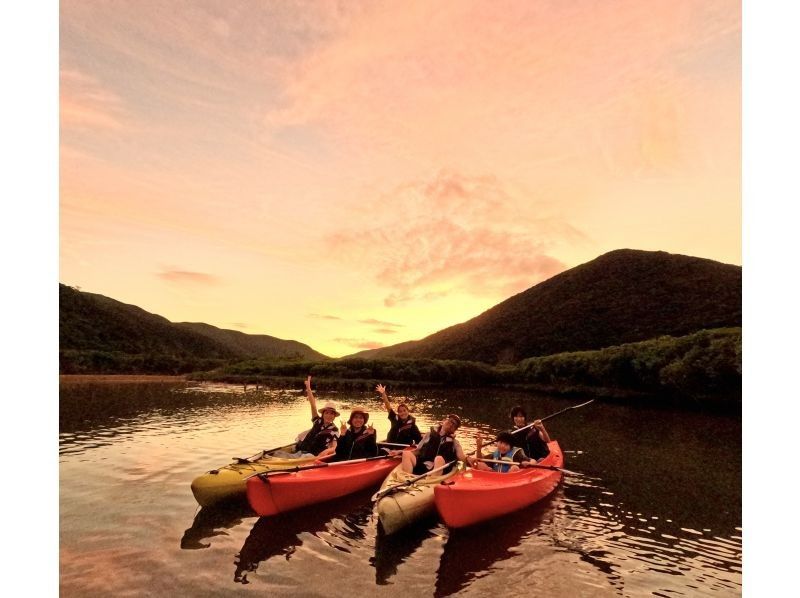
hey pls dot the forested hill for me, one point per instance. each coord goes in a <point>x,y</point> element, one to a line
<point>620,297</point>
<point>94,323</point>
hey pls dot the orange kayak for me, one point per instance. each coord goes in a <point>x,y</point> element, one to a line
<point>282,492</point>
<point>475,496</point>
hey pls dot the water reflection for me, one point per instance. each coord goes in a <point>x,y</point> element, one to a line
<point>214,521</point>
<point>658,513</point>
<point>338,523</point>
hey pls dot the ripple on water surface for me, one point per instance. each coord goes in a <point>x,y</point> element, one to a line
<point>128,454</point>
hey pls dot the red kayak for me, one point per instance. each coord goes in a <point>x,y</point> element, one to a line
<point>281,492</point>
<point>474,496</point>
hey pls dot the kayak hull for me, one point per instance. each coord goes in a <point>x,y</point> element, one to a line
<point>475,496</point>
<point>409,504</point>
<point>288,491</point>
<point>229,482</point>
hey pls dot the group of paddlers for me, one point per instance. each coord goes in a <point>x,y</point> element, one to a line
<point>524,444</point>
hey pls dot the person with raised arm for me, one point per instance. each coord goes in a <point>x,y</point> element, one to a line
<point>404,428</point>
<point>321,439</point>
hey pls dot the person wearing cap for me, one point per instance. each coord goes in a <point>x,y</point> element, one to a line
<point>357,441</point>
<point>437,447</point>
<point>505,451</point>
<point>532,440</point>
<point>321,439</point>
<point>404,428</point>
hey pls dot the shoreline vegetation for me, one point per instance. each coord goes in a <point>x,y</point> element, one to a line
<point>700,369</point>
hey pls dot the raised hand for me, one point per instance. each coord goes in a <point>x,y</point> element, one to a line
<point>342,428</point>
<point>308,383</point>
<point>370,429</point>
<point>380,388</point>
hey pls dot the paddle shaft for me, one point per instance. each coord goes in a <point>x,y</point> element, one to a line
<point>265,474</point>
<point>532,465</point>
<point>391,489</point>
<point>541,420</point>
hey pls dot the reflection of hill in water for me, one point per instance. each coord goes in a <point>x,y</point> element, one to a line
<point>344,519</point>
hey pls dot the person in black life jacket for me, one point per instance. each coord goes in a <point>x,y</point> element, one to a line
<point>436,448</point>
<point>404,428</point>
<point>357,441</point>
<point>533,440</point>
<point>505,451</point>
<point>321,439</point>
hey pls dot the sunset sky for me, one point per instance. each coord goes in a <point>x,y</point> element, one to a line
<point>357,174</point>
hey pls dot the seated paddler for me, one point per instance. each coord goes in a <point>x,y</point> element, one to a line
<point>404,428</point>
<point>358,440</point>
<point>505,451</point>
<point>321,439</point>
<point>531,439</point>
<point>437,447</point>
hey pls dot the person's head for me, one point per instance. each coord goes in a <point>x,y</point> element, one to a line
<point>450,424</point>
<point>358,418</point>
<point>328,413</point>
<point>504,442</point>
<point>519,416</point>
<point>402,411</point>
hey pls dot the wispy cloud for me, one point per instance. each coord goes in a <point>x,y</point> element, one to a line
<point>375,322</point>
<point>187,277</point>
<point>86,104</point>
<point>385,330</point>
<point>359,343</point>
<point>452,233</point>
<point>323,317</point>
<point>239,325</point>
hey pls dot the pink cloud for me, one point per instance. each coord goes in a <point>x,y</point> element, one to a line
<point>385,331</point>
<point>186,277</point>
<point>452,233</point>
<point>359,343</point>
<point>379,322</point>
<point>86,104</point>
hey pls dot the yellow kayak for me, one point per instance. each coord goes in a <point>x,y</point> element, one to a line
<point>228,482</point>
<point>410,503</point>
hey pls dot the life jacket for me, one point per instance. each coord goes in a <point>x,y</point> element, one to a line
<point>531,443</point>
<point>404,432</point>
<point>438,445</point>
<point>318,437</point>
<point>356,445</point>
<point>509,456</point>
<point>535,447</point>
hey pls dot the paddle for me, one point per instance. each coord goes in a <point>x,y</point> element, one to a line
<point>533,465</point>
<point>551,416</point>
<point>264,474</point>
<point>392,489</point>
<point>257,456</point>
<point>393,444</point>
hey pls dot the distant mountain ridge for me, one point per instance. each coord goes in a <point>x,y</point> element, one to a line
<point>623,296</point>
<point>92,322</point>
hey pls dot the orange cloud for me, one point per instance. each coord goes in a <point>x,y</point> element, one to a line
<point>86,104</point>
<point>451,233</point>
<point>186,277</point>
<point>323,317</point>
<point>359,343</point>
<point>385,330</point>
<point>379,322</point>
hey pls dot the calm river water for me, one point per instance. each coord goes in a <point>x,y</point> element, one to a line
<point>658,514</point>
